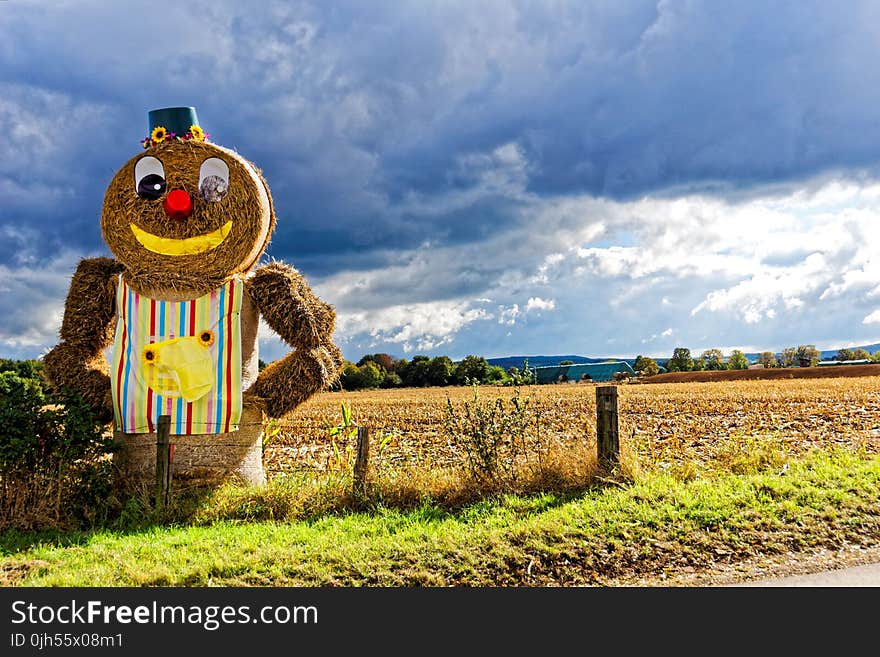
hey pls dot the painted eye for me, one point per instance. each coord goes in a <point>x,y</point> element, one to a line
<point>149,178</point>
<point>213,179</point>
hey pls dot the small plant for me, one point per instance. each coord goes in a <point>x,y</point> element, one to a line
<point>271,432</point>
<point>493,435</point>
<point>347,430</point>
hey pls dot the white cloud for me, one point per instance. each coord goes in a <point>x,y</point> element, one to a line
<point>537,303</point>
<point>773,269</point>
<point>420,326</point>
<point>767,290</point>
<point>32,303</point>
<point>742,269</point>
<point>508,315</point>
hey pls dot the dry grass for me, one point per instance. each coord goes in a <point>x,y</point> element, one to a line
<point>29,501</point>
<point>823,372</point>
<point>686,430</point>
<point>659,424</point>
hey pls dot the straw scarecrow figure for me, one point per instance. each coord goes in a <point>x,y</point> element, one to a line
<point>187,221</point>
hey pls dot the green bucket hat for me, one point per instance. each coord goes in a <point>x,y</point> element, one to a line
<point>174,123</point>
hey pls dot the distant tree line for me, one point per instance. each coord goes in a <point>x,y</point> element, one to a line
<point>386,371</point>
<point>857,354</point>
<point>805,355</point>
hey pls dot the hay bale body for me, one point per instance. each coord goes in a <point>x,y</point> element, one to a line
<point>200,460</point>
<point>206,459</point>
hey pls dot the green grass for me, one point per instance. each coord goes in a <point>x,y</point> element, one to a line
<point>658,523</point>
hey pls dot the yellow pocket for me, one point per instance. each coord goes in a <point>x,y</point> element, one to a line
<point>181,367</point>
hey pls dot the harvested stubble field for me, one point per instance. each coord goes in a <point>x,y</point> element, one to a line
<point>664,425</point>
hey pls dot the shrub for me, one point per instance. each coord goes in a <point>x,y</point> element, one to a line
<point>53,466</point>
<point>493,436</point>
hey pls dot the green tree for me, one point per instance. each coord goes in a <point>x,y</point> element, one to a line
<point>699,365</point>
<point>371,376</point>
<point>737,361</point>
<point>400,366</point>
<point>440,371</point>
<point>527,374</point>
<point>391,380</point>
<point>496,375</point>
<point>789,357</point>
<point>640,362</point>
<point>53,465</point>
<point>519,377</point>
<point>350,378</point>
<point>646,366</point>
<point>472,369</point>
<point>845,354</point>
<point>384,361</point>
<point>713,358</point>
<point>767,359</point>
<point>566,362</point>
<point>416,373</point>
<point>681,360</point>
<point>852,354</point>
<point>808,354</point>
<point>368,375</point>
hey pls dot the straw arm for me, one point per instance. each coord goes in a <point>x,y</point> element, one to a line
<point>78,362</point>
<point>288,382</point>
<point>304,322</point>
<point>289,306</point>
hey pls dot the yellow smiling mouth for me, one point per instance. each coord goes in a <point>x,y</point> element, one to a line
<point>187,246</point>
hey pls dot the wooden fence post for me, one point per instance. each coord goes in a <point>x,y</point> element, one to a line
<point>362,461</point>
<point>163,460</point>
<point>607,432</point>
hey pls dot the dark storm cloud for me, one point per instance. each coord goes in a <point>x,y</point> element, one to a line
<point>350,108</point>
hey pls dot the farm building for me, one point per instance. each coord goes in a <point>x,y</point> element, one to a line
<point>582,372</point>
<point>827,363</point>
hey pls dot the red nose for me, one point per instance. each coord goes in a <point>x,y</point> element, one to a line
<point>178,204</point>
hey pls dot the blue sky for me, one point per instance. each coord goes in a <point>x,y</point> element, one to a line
<point>493,177</point>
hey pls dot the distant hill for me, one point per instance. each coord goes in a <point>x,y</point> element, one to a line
<point>541,361</point>
<point>870,348</point>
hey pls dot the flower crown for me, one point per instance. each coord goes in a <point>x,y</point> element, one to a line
<point>160,134</point>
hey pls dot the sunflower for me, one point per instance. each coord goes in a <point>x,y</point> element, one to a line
<point>197,133</point>
<point>158,135</point>
<point>206,338</point>
<point>150,356</point>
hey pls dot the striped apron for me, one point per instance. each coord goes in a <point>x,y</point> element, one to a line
<point>178,358</point>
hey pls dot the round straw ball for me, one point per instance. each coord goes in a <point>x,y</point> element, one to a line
<point>244,200</point>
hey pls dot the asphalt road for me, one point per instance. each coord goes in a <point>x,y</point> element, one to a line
<point>868,575</point>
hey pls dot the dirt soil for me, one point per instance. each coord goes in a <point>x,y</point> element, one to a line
<point>824,372</point>
<point>761,567</point>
